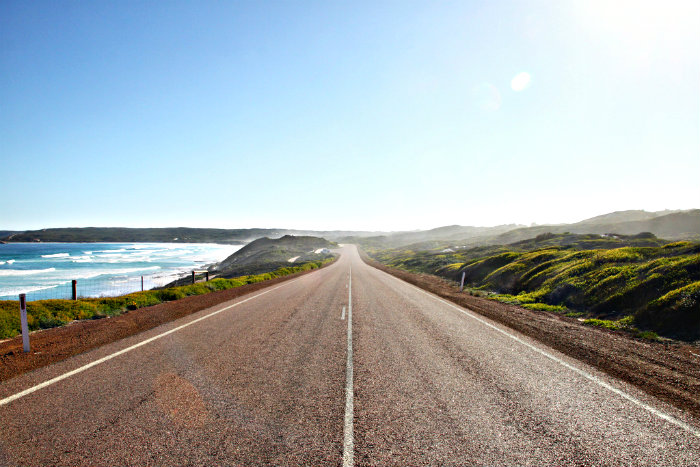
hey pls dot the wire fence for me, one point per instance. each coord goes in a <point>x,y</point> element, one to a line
<point>111,286</point>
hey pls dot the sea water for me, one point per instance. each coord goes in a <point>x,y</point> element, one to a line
<point>45,270</point>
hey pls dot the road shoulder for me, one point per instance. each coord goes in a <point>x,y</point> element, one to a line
<point>670,372</point>
<point>56,344</point>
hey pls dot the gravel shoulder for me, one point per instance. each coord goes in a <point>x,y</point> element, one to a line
<point>56,344</point>
<point>668,371</point>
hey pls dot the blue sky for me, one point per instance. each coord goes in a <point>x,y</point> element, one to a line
<point>345,115</point>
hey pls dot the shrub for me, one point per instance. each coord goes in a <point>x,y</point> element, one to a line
<point>544,307</point>
<point>649,335</point>
<point>602,323</point>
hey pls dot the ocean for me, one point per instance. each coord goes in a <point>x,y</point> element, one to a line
<point>45,270</point>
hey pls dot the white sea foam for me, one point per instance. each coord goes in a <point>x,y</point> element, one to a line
<point>122,281</point>
<point>23,272</point>
<point>92,273</point>
<point>10,261</point>
<point>56,255</point>
<point>145,246</point>
<point>73,274</point>
<point>130,270</point>
<point>87,252</point>
<point>81,259</point>
<point>7,291</point>
<point>2,262</point>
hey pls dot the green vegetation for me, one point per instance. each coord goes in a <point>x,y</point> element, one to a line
<point>637,283</point>
<point>43,314</point>
<point>544,307</point>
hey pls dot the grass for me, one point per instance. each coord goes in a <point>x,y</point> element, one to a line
<point>648,281</point>
<point>545,307</point>
<point>44,314</point>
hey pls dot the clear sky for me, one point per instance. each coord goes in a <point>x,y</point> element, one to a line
<point>345,114</point>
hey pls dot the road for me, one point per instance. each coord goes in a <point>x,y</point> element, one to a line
<point>276,378</point>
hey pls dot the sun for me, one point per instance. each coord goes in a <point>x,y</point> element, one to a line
<point>641,21</point>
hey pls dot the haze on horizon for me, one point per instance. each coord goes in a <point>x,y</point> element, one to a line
<point>346,115</point>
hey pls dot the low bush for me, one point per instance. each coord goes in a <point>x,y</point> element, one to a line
<point>544,307</point>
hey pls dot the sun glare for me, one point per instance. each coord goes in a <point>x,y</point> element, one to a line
<point>520,81</point>
<point>642,21</point>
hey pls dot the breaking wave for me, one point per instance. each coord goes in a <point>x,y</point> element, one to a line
<point>56,255</point>
<point>23,272</point>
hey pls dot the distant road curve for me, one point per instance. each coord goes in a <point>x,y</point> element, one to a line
<point>263,380</point>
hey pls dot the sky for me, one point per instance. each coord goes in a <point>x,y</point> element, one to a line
<point>350,115</point>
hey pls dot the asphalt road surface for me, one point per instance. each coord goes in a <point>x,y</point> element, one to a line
<point>276,378</point>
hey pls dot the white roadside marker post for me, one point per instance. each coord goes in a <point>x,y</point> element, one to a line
<point>461,284</point>
<point>23,319</point>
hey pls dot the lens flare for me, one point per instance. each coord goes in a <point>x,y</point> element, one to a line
<point>520,81</point>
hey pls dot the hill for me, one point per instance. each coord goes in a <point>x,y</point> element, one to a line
<point>683,225</point>
<point>672,225</point>
<point>5,233</point>
<point>162,235</point>
<point>626,216</point>
<point>266,254</point>
<point>613,280</point>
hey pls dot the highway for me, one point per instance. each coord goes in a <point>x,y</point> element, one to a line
<point>344,366</point>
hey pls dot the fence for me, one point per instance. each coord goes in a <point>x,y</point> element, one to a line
<point>111,286</point>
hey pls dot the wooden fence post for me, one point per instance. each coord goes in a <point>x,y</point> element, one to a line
<point>461,284</point>
<point>193,277</point>
<point>74,285</point>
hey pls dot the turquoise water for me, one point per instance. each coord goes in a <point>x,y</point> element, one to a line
<point>45,270</point>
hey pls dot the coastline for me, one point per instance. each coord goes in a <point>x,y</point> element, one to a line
<point>46,270</point>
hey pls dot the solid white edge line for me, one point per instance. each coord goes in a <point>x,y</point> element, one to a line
<point>595,379</point>
<point>348,435</point>
<point>32,389</point>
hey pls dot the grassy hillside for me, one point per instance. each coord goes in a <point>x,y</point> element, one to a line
<point>265,254</point>
<point>617,281</point>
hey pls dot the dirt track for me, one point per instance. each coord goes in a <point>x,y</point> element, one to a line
<point>670,372</point>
